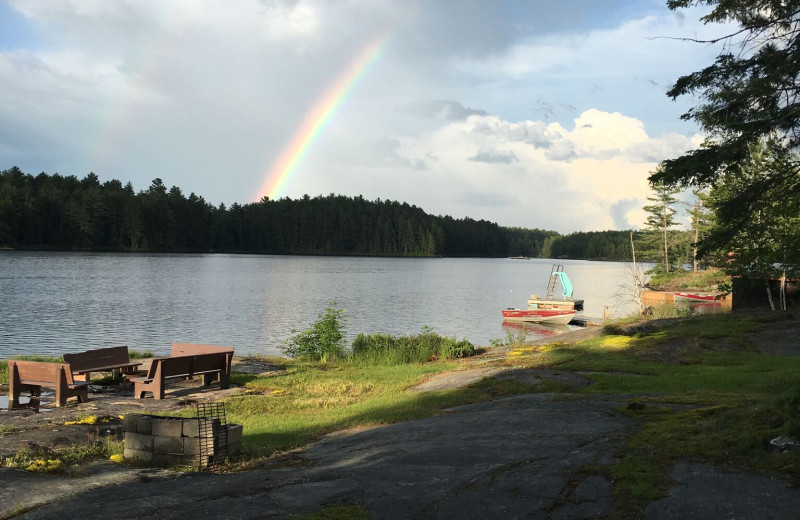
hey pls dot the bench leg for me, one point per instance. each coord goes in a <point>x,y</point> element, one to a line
<point>139,390</point>
<point>61,397</point>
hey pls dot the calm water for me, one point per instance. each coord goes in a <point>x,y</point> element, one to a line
<point>51,303</point>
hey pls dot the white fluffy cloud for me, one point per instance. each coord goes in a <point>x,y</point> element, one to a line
<point>522,181</point>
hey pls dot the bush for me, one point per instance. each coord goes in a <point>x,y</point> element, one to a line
<point>324,341</point>
<point>385,349</point>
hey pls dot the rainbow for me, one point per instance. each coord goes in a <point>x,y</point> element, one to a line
<point>318,118</point>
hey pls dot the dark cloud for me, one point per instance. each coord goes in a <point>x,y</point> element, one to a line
<point>495,157</point>
<point>443,110</point>
<point>561,150</point>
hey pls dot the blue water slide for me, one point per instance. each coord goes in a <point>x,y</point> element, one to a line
<point>565,283</point>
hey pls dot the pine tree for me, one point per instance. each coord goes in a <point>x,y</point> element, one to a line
<point>702,219</point>
<point>661,217</point>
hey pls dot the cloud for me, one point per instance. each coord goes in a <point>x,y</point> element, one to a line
<point>495,157</point>
<point>621,210</point>
<point>532,115</point>
<point>592,175</point>
<point>443,110</point>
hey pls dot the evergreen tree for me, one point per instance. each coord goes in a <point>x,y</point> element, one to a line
<point>701,222</point>
<point>660,218</point>
<point>767,243</point>
<point>750,93</point>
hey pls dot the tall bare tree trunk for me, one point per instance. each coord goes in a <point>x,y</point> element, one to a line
<point>666,249</point>
<point>638,292</point>
<point>769,295</point>
<point>696,234</point>
<point>783,290</point>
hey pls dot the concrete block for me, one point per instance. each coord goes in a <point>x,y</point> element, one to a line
<point>137,454</point>
<point>234,448</point>
<point>129,422</point>
<point>164,445</point>
<point>234,433</point>
<point>167,427</point>
<point>196,427</point>
<point>135,441</point>
<point>191,446</point>
<point>144,425</point>
<point>190,428</point>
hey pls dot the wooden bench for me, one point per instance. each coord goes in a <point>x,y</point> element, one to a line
<point>214,366</point>
<point>190,349</point>
<point>111,359</point>
<point>33,375</point>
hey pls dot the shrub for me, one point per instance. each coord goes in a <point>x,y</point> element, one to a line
<point>324,341</point>
<point>385,349</point>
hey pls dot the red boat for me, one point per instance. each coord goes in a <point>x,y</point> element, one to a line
<point>555,316</point>
<point>689,297</point>
<point>548,310</point>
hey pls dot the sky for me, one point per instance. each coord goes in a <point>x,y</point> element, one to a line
<point>528,113</point>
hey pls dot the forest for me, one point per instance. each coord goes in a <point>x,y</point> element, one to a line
<point>56,212</point>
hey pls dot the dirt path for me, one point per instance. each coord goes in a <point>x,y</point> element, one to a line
<point>509,458</point>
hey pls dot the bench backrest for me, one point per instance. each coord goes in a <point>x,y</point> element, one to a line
<point>101,357</point>
<point>186,349</point>
<point>208,362</point>
<point>54,373</point>
<point>188,365</point>
<point>171,366</point>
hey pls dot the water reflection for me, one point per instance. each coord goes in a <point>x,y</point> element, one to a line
<point>536,330</point>
<point>33,403</point>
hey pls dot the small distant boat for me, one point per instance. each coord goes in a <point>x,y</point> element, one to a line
<point>694,297</point>
<point>548,310</point>
<point>520,258</point>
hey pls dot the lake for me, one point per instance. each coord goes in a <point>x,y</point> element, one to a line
<point>52,303</point>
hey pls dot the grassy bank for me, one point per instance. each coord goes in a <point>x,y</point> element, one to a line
<point>707,280</point>
<point>309,399</point>
<point>706,395</point>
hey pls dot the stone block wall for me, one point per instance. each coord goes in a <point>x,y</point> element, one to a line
<point>176,440</point>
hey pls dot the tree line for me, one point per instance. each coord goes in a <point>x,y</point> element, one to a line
<point>66,213</point>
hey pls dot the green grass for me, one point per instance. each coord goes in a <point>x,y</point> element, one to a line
<point>703,281</point>
<point>309,400</point>
<point>41,459</point>
<point>336,512</point>
<point>386,349</point>
<point>135,354</point>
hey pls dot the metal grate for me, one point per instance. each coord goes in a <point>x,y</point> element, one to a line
<point>213,433</point>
